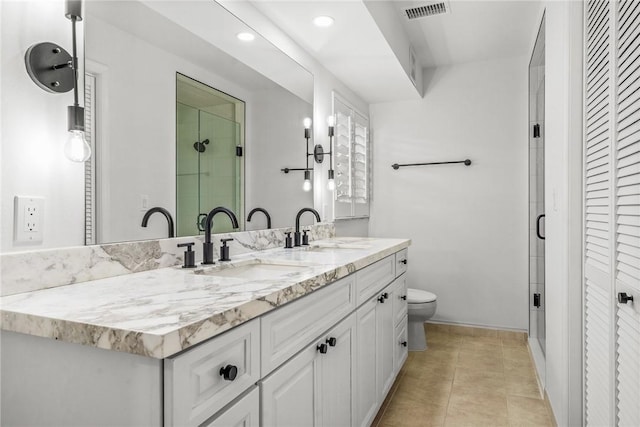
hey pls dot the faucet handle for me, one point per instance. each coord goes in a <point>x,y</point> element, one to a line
<point>305,238</point>
<point>288,243</point>
<point>189,255</point>
<point>224,250</point>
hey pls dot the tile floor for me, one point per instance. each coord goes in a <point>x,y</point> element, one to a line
<point>483,378</point>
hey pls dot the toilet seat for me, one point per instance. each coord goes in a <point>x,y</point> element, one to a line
<point>418,296</point>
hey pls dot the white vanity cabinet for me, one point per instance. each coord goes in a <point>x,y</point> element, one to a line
<point>202,380</point>
<point>381,347</point>
<point>315,387</point>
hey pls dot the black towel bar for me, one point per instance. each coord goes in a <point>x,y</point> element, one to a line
<point>396,166</point>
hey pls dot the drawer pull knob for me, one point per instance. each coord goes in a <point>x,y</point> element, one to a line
<point>403,297</point>
<point>403,261</point>
<point>332,341</point>
<point>381,299</point>
<point>229,372</point>
<point>403,343</point>
<point>623,298</point>
<point>385,295</point>
<point>322,348</point>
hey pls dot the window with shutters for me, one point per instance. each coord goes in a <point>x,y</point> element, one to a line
<point>612,210</point>
<point>352,161</point>
<point>90,165</point>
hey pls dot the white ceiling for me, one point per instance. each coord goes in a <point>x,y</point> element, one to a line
<point>355,50</point>
<point>473,31</point>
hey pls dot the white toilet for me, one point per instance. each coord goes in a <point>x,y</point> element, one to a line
<point>422,306</point>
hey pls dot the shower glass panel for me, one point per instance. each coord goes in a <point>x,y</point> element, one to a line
<point>537,326</point>
<point>209,168</point>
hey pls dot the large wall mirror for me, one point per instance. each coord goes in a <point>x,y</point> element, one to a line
<point>176,91</point>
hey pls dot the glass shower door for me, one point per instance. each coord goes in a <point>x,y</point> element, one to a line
<point>537,326</point>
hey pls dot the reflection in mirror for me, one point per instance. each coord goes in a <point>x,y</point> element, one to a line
<point>209,143</point>
<point>155,147</point>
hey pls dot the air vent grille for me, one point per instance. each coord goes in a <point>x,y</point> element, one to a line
<point>426,10</point>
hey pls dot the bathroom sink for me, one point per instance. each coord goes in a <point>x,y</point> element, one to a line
<point>256,270</point>
<point>337,246</point>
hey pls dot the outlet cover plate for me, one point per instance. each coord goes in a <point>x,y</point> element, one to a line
<point>28,219</point>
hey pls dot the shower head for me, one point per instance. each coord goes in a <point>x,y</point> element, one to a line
<point>200,147</point>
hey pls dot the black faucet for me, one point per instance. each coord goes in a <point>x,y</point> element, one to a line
<point>163,211</point>
<point>296,235</point>
<point>254,210</point>
<point>207,246</point>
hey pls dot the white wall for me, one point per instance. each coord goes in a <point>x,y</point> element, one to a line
<point>563,201</point>
<point>34,129</point>
<point>468,225</point>
<point>280,143</point>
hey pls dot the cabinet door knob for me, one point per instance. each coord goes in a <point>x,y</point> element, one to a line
<point>229,372</point>
<point>332,341</point>
<point>381,299</point>
<point>385,295</point>
<point>403,261</point>
<point>322,348</point>
<point>403,343</point>
<point>623,298</point>
<point>403,297</point>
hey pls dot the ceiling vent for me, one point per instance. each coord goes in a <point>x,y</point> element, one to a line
<point>426,10</point>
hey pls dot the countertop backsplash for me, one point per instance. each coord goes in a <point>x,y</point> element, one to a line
<point>35,270</point>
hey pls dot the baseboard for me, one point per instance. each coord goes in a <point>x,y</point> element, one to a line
<point>552,417</point>
<point>477,331</point>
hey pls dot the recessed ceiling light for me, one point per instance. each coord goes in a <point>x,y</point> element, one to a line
<point>246,37</point>
<point>323,21</point>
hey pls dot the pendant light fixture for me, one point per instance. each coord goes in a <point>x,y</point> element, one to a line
<point>54,70</point>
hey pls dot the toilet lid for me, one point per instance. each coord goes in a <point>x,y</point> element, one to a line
<point>419,296</point>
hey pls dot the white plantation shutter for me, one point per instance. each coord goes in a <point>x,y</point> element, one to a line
<point>612,213</point>
<point>627,204</point>
<point>90,165</point>
<point>352,161</point>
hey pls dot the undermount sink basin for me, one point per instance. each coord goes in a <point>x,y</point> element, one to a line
<point>338,246</point>
<point>256,270</point>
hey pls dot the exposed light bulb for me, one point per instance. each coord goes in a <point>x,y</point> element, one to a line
<point>306,185</point>
<point>331,121</point>
<point>331,184</point>
<point>76,148</point>
<point>307,123</point>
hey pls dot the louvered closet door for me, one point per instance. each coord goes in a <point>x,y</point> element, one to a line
<point>598,343</point>
<point>627,203</point>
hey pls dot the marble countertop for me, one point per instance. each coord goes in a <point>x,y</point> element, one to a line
<point>159,313</point>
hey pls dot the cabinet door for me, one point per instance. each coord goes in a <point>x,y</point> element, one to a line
<point>366,398</point>
<point>338,368</point>
<point>243,413</point>
<point>401,349</point>
<point>385,345</point>
<point>290,396</point>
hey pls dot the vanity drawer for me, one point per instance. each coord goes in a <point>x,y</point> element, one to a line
<point>398,290</point>
<point>373,278</point>
<point>401,350</point>
<point>402,258</point>
<point>290,328</point>
<point>194,386</point>
<point>244,413</point>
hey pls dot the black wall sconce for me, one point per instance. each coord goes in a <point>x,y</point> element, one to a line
<point>54,70</point>
<point>318,155</point>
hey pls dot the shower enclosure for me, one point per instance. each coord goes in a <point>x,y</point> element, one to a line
<point>209,167</point>
<point>537,326</point>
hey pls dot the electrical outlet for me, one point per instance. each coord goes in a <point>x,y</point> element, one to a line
<point>28,219</point>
